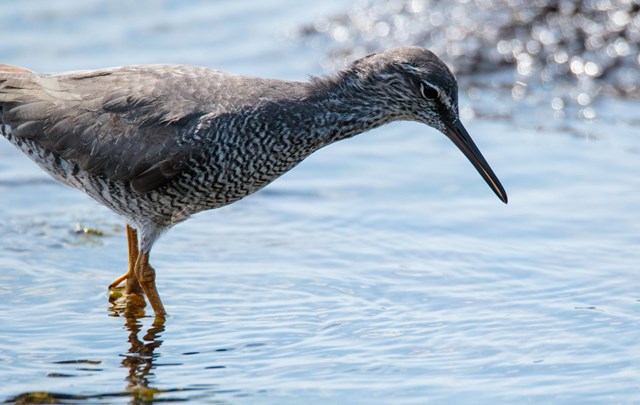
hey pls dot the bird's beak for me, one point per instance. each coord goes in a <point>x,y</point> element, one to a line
<point>461,138</point>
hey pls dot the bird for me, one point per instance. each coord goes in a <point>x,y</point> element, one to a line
<point>159,143</point>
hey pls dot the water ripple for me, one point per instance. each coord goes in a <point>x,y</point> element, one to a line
<point>381,269</point>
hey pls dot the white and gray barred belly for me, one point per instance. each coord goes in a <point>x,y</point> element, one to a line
<point>161,209</point>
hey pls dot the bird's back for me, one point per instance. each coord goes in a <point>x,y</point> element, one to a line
<point>134,126</point>
<point>121,123</point>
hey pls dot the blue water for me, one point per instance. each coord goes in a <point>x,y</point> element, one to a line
<point>381,270</point>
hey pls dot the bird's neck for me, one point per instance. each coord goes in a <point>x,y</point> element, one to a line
<point>346,108</point>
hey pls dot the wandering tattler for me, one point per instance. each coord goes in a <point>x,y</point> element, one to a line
<point>159,143</point>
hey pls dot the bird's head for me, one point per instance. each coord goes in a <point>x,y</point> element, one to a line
<point>414,84</point>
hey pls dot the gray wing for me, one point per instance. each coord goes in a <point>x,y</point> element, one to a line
<point>125,124</point>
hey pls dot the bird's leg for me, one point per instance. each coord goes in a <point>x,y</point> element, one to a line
<point>133,286</point>
<point>147,277</point>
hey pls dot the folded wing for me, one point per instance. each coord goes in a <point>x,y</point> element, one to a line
<point>126,124</point>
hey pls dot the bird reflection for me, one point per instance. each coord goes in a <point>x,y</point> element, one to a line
<point>140,357</point>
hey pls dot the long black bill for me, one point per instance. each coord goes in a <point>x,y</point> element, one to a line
<point>461,138</point>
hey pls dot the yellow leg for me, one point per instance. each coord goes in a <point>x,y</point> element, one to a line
<point>118,280</point>
<point>147,277</point>
<point>132,282</point>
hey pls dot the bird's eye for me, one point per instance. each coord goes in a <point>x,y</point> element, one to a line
<point>428,92</point>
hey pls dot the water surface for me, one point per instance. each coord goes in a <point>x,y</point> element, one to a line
<point>382,269</point>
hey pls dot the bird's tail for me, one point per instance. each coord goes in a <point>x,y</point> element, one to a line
<point>14,69</point>
<point>15,81</point>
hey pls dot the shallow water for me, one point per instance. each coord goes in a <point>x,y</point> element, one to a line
<point>382,269</point>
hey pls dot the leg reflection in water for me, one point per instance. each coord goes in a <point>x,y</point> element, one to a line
<point>140,357</point>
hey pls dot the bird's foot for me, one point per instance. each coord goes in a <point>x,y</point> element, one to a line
<point>129,299</point>
<point>132,286</point>
<point>119,280</point>
<point>127,305</point>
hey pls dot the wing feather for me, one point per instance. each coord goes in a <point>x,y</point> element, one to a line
<point>124,123</point>
<point>130,123</point>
